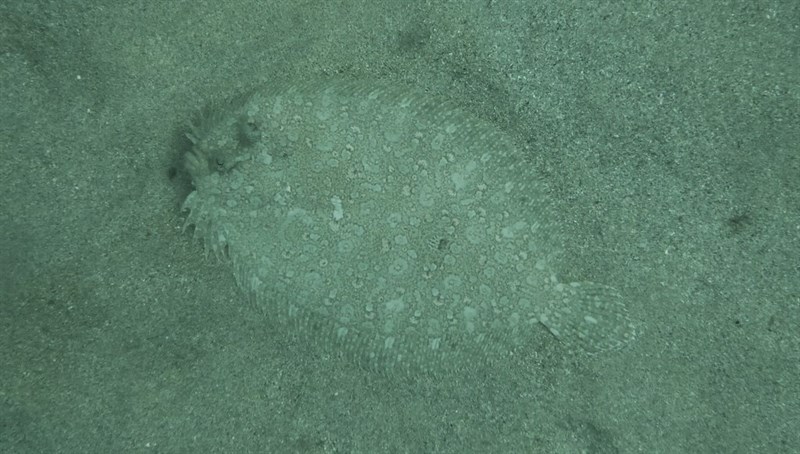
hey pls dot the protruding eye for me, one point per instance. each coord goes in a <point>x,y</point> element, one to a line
<point>248,133</point>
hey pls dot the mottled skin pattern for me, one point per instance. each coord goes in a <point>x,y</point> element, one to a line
<point>391,225</point>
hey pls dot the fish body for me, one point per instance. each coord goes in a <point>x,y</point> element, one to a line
<point>393,226</point>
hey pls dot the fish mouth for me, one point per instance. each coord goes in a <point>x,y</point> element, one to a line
<point>196,163</point>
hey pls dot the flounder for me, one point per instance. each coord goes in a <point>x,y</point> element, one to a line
<point>393,226</point>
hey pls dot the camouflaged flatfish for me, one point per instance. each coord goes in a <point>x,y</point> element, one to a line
<point>388,224</point>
